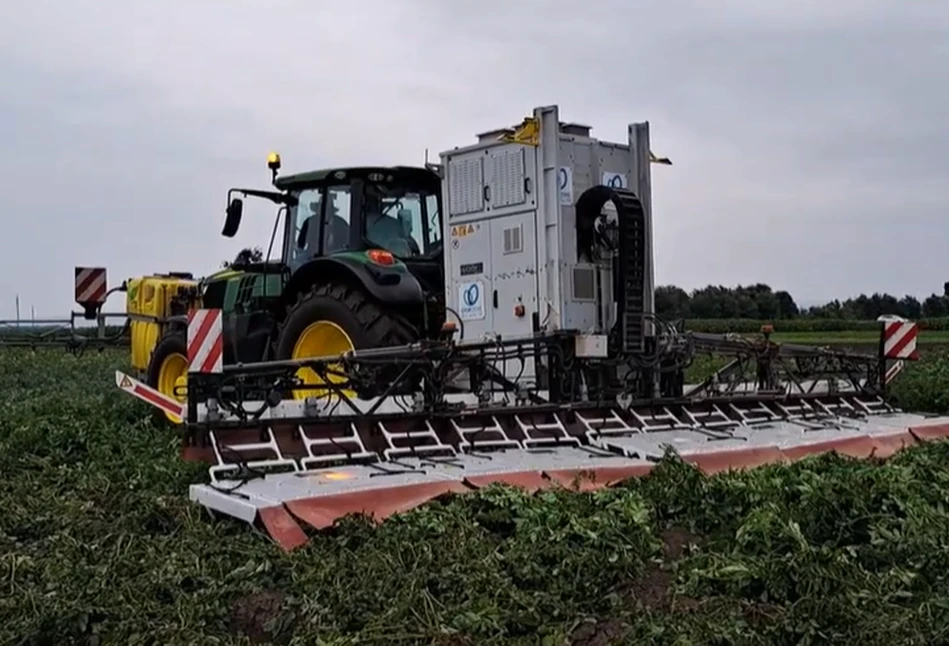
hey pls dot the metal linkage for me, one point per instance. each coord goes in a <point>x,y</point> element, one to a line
<point>544,433</point>
<point>765,366</point>
<point>803,414</point>
<point>658,419</point>
<point>242,452</point>
<point>413,441</point>
<point>416,380</point>
<point>64,333</point>
<point>349,448</point>
<point>608,423</point>
<point>485,436</point>
<point>751,413</point>
<point>874,406</point>
<point>711,418</point>
<point>449,407</point>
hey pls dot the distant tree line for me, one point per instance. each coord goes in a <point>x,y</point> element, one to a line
<point>245,256</point>
<point>760,302</point>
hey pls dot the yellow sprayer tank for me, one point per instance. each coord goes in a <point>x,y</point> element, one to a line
<point>150,297</point>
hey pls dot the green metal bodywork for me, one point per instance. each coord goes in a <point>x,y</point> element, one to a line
<point>246,290</point>
<point>236,289</point>
<point>362,258</point>
<point>310,178</point>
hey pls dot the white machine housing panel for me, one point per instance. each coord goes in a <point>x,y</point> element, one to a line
<point>511,247</point>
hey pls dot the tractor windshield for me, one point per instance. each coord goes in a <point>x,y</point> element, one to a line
<point>403,221</point>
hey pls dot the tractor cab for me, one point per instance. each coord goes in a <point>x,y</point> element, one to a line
<point>394,210</point>
<point>369,212</point>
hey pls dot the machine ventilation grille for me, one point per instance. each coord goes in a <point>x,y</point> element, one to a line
<point>466,182</point>
<point>513,240</point>
<point>507,179</point>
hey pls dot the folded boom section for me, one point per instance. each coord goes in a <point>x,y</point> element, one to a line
<point>453,421</point>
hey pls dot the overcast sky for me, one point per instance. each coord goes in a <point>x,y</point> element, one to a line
<point>810,140</point>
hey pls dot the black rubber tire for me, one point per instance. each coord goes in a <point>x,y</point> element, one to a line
<point>171,343</point>
<point>367,324</point>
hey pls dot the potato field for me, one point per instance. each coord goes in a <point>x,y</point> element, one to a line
<point>99,544</point>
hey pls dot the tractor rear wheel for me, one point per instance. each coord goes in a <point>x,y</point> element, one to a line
<point>332,319</point>
<point>168,369</point>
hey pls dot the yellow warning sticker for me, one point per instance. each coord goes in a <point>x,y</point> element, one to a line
<point>462,230</point>
<point>126,382</point>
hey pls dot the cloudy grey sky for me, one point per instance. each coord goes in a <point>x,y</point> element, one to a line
<point>810,138</point>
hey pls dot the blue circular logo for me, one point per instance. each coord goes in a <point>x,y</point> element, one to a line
<point>472,294</point>
<point>563,178</point>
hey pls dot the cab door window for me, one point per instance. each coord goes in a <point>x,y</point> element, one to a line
<point>320,224</point>
<point>308,225</point>
<point>336,219</point>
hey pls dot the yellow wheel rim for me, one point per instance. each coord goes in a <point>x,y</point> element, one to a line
<point>321,339</point>
<point>173,374</point>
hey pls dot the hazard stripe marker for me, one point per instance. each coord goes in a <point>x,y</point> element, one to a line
<point>91,285</point>
<point>893,370</point>
<point>899,340</point>
<point>148,394</point>
<point>205,341</point>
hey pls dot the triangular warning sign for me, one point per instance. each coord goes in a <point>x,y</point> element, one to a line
<point>470,228</point>
<point>126,382</point>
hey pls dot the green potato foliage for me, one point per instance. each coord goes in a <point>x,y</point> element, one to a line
<point>100,545</point>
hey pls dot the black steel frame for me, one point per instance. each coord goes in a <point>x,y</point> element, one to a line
<point>419,376</point>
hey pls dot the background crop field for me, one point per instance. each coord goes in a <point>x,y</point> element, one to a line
<point>99,545</point>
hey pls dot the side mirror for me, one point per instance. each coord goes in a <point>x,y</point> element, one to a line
<point>233,222</point>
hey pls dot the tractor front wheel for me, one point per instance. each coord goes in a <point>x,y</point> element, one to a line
<point>330,320</point>
<point>168,370</point>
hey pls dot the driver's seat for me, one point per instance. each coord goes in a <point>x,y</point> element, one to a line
<point>337,235</point>
<point>386,232</point>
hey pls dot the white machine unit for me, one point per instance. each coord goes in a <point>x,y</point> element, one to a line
<point>548,228</point>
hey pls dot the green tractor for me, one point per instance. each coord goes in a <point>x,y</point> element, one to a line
<point>359,265</point>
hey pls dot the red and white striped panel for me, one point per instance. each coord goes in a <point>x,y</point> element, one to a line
<point>892,371</point>
<point>90,285</point>
<point>148,394</point>
<point>899,340</point>
<point>205,341</point>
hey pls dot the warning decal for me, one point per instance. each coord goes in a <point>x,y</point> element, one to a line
<point>149,395</point>
<point>462,230</point>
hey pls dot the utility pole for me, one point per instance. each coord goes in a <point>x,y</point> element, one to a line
<point>18,310</point>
